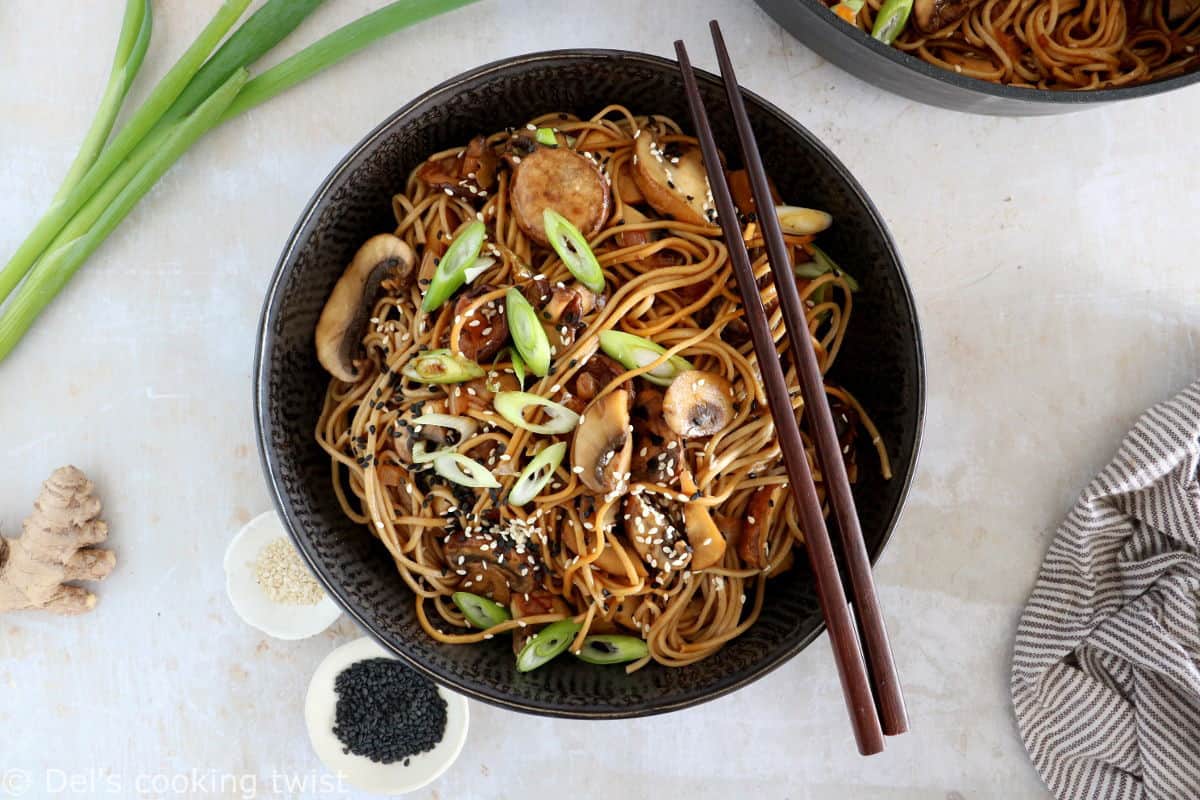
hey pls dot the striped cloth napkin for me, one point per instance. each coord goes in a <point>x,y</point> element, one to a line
<point>1106,667</point>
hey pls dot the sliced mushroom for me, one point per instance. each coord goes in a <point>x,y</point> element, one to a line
<point>344,319</point>
<point>562,315</point>
<point>465,175</point>
<point>652,463</point>
<point>479,552</point>
<point>648,416</point>
<point>656,537</point>
<point>626,186</point>
<point>602,446</point>
<point>627,238</point>
<point>476,395</point>
<point>932,15</point>
<point>561,179</point>
<point>675,185</point>
<point>596,373</point>
<point>706,539</point>
<point>1178,10</point>
<point>485,330</point>
<point>756,526</point>
<point>698,403</point>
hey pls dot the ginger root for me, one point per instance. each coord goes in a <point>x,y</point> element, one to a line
<point>55,547</point>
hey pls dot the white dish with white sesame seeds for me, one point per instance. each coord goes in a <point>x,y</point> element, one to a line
<point>288,609</point>
<point>320,714</point>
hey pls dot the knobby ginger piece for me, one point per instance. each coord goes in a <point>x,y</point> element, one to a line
<point>56,547</point>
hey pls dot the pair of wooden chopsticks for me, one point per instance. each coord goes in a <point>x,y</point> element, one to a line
<point>876,709</point>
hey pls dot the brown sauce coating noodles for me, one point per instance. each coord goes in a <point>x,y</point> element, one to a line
<point>1060,44</point>
<point>676,288</point>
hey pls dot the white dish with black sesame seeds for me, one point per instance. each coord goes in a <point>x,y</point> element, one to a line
<point>411,771</point>
<point>269,585</point>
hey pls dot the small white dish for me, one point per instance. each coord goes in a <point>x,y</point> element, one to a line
<point>320,715</point>
<point>251,602</point>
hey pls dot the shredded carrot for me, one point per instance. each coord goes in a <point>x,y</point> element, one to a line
<point>845,12</point>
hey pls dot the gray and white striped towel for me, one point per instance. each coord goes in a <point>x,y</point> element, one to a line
<point>1106,668</point>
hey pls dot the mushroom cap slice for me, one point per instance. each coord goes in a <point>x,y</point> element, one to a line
<point>563,180</point>
<point>655,536</point>
<point>932,15</point>
<point>603,445</point>
<point>760,514</point>
<point>475,551</point>
<point>698,403</point>
<point>344,319</point>
<point>675,189</point>
<point>706,539</point>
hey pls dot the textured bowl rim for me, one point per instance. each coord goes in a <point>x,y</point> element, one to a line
<point>1066,97</point>
<point>269,459</point>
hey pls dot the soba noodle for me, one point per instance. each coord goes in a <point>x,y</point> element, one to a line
<point>675,288</point>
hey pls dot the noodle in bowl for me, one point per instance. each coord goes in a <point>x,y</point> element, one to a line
<point>432,491</point>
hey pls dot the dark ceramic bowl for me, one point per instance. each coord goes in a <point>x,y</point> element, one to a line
<point>888,68</point>
<point>881,362</point>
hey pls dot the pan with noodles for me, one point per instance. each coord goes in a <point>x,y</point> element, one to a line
<point>544,401</point>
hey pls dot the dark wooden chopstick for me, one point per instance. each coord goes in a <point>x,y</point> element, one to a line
<point>852,671</point>
<point>888,695</point>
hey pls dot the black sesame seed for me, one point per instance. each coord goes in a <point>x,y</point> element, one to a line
<point>386,712</point>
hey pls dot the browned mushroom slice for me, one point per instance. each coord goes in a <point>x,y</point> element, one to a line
<point>657,464</point>
<point>648,418</point>
<point>344,319</point>
<point>656,537</point>
<point>485,330</point>
<point>706,539</point>
<point>756,526</point>
<point>561,179</point>
<point>627,188</point>
<point>470,552</point>
<point>596,373</point>
<point>476,395</point>
<point>932,15</point>
<point>601,447</point>
<point>661,258</point>
<point>562,316</point>
<point>464,175</point>
<point>675,185</point>
<point>698,403</point>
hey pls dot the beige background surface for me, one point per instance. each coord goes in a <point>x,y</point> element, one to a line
<point>1054,262</point>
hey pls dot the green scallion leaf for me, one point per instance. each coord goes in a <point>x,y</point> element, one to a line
<point>482,612</point>
<point>633,352</point>
<point>545,645</point>
<point>441,366</point>
<point>545,136</point>
<point>451,272</point>
<point>573,249</point>
<point>890,20</point>
<point>512,406</point>
<point>464,471</point>
<point>612,649</point>
<point>537,474</point>
<point>527,333</point>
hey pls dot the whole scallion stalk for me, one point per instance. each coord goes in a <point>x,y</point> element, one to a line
<point>160,99</point>
<point>131,49</point>
<point>154,137</point>
<point>144,168</point>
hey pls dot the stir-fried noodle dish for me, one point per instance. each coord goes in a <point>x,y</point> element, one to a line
<point>545,402</point>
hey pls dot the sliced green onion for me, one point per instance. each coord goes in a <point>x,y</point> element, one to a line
<point>573,249</point>
<point>634,352</point>
<point>537,474</point>
<point>802,221</point>
<point>512,405</point>
<point>421,455</point>
<point>527,332</point>
<point>481,265</point>
<point>546,136</point>
<point>451,272</point>
<point>822,263</point>
<point>891,20</point>
<point>612,649</point>
<point>464,471</point>
<point>441,366</point>
<point>482,612</point>
<point>546,644</point>
<point>518,365</point>
<point>464,426</point>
